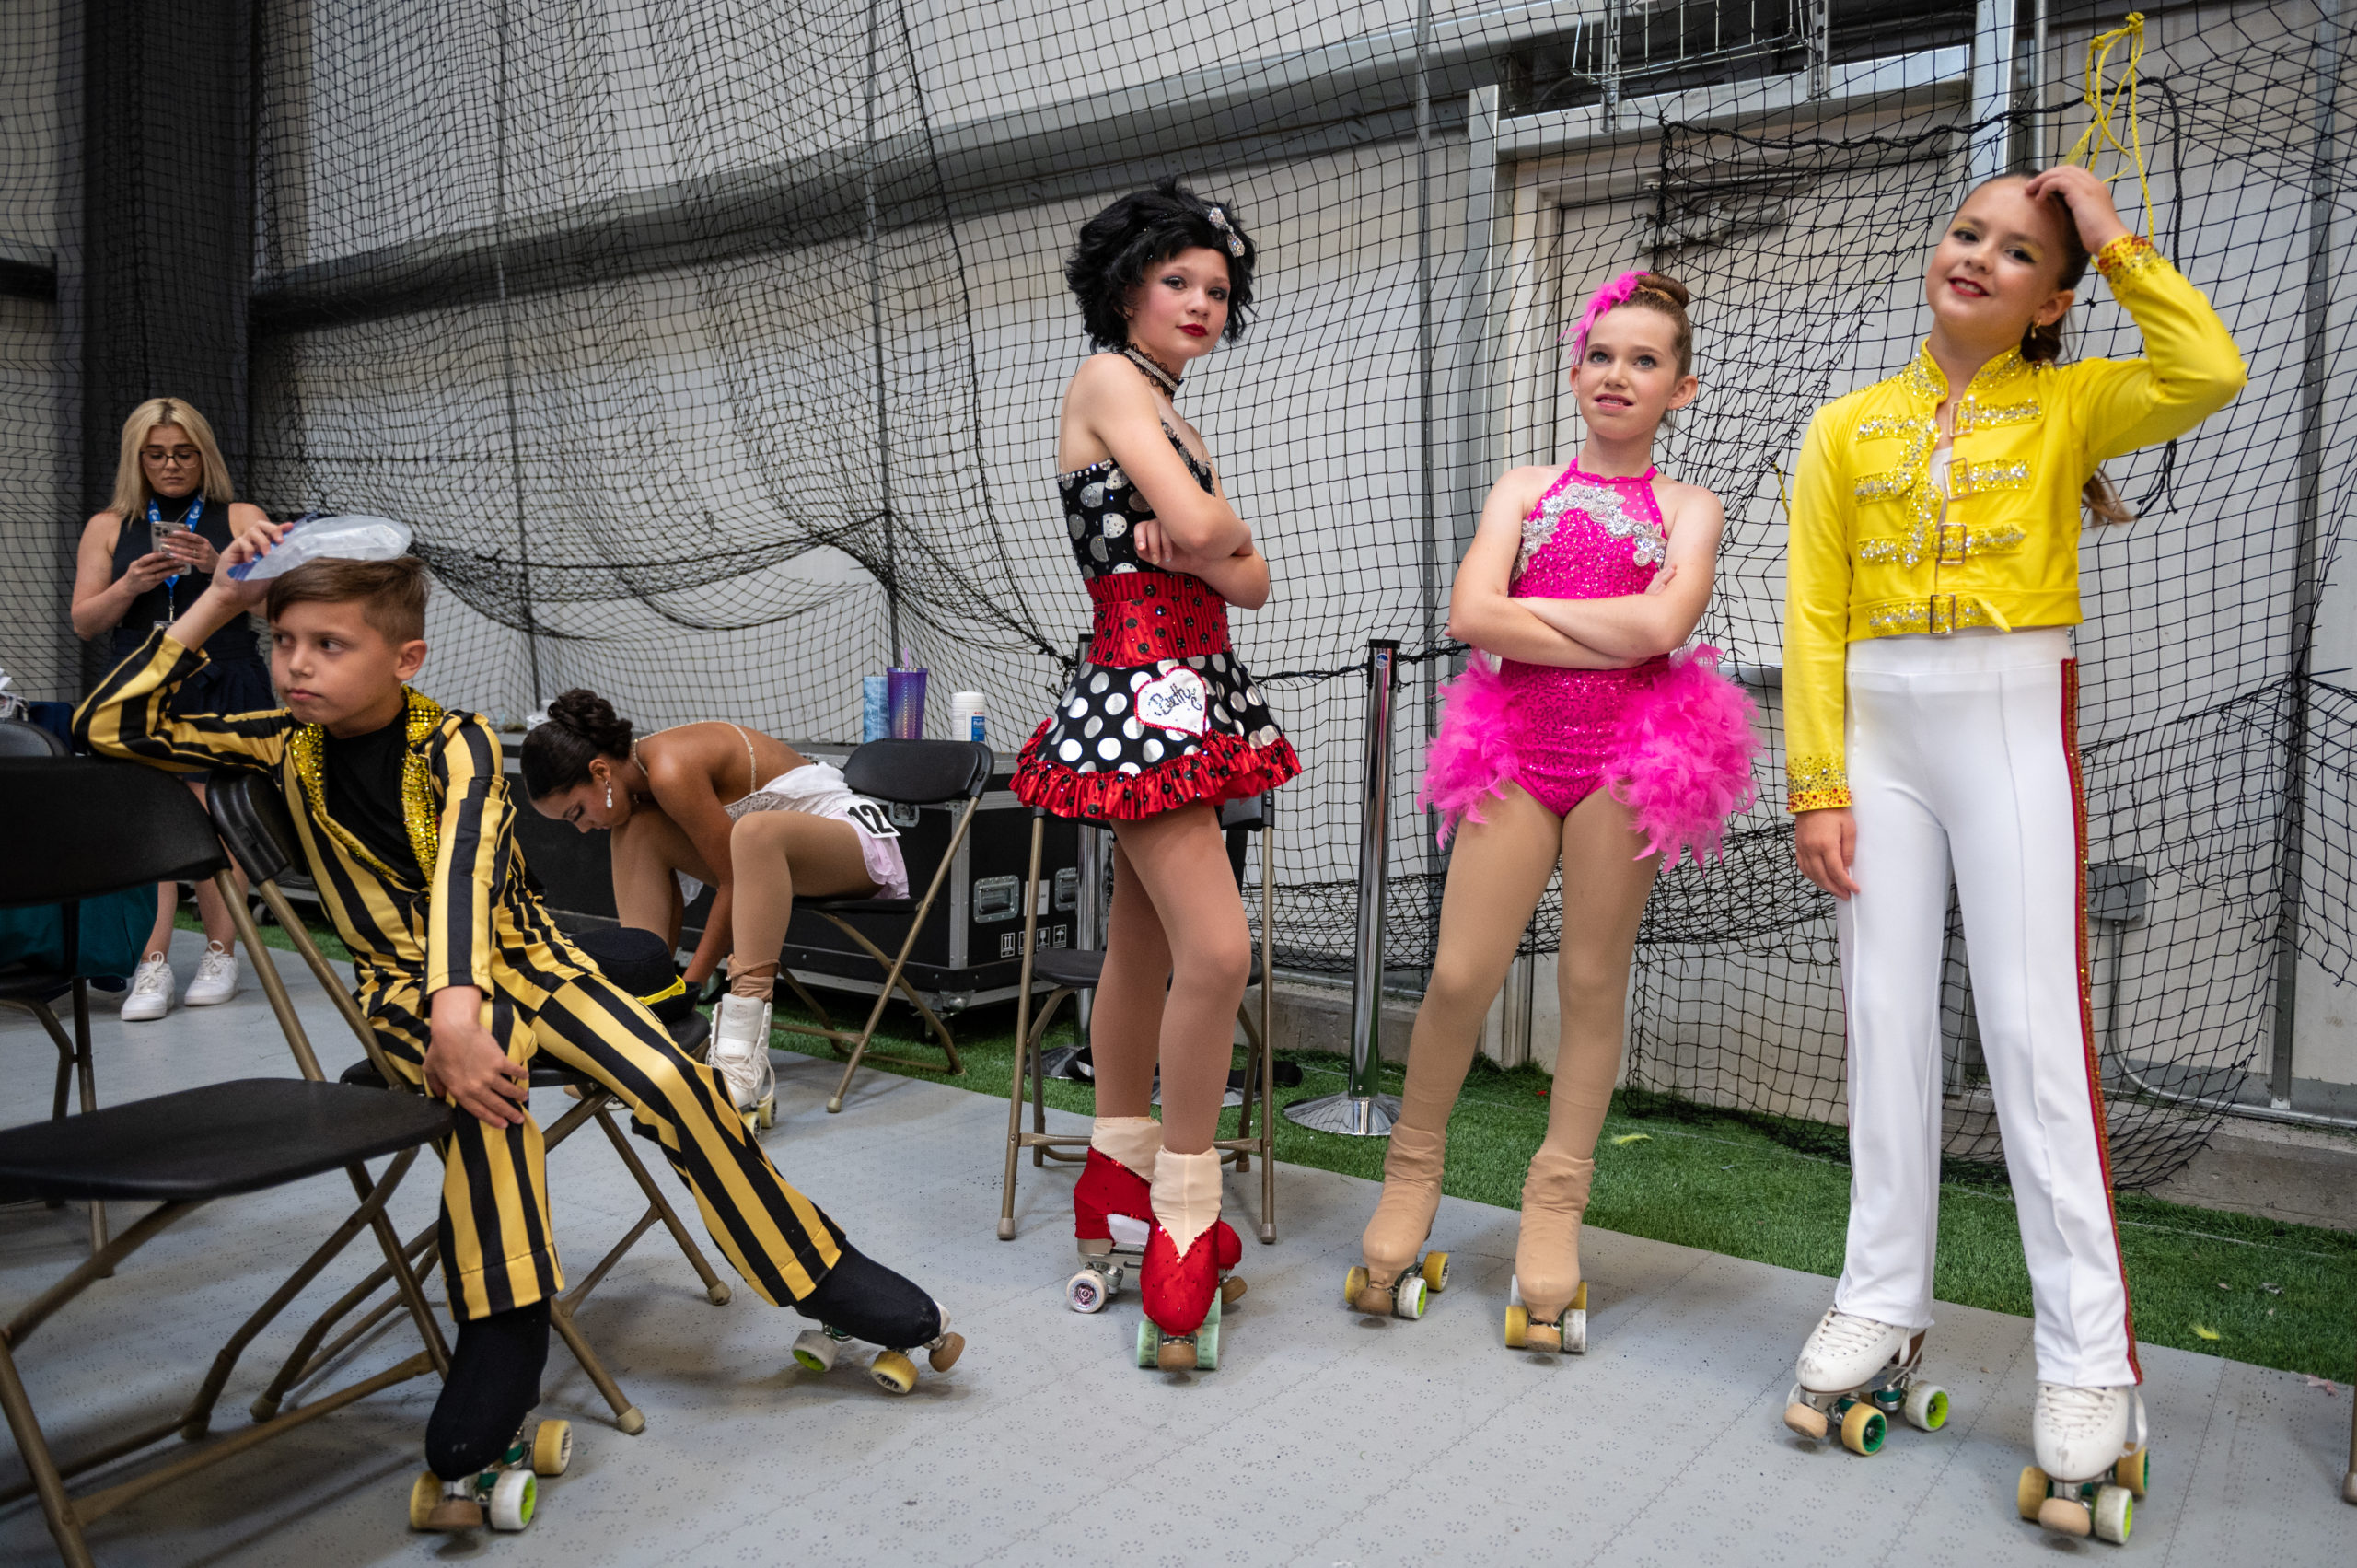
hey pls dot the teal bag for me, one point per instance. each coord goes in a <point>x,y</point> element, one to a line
<point>115,927</point>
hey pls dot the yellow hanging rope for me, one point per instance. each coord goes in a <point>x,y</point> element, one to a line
<point>2103,97</point>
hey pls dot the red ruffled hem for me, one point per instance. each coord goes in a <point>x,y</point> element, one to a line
<point>1228,768</point>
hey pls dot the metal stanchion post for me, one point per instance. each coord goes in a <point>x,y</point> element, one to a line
<point>1088,916</point>
<point>1358,1112</point>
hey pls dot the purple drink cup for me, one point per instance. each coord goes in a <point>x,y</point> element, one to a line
<point>904,693</point>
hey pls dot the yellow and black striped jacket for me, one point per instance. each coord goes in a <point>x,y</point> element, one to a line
<point>472,918</point>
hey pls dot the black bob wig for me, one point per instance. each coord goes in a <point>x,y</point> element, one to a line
<point>1141,230</point>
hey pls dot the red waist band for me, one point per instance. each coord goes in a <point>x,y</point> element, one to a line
<point>1146,616</point>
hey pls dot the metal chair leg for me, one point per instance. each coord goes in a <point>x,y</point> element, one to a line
<point>86,1069</point>
<point>715,1289</point>
<point>64,1524</point>
<point>627,1416</point>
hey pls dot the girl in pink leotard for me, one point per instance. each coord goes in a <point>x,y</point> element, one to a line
<point>1591,743</point>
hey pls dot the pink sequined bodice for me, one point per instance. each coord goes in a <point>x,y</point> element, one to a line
<point>1589,537</point>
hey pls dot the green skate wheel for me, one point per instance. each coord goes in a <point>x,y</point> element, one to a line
<point>1149,1344</point>
<point>2115,1511</point>
<point>513,1498</point>
<point>1927,1407</point>
<point>1207,1346</point>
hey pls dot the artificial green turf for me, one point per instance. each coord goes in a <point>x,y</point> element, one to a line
<point>1723,1184</point>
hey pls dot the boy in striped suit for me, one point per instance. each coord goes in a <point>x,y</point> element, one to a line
<point>405,819</point>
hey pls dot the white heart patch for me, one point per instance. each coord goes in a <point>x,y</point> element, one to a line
<point>1179,700</point>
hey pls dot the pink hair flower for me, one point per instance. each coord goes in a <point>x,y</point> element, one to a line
<point>1609,298</point>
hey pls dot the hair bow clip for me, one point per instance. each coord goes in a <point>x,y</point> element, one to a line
<point>1234,240</point>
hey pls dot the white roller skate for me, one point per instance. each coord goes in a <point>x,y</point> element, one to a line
<point>2092,1462</point>
<point>503,1495</point>
<point>817,1350</point>
<point>740,1054</point>
<point>1853,1376</point>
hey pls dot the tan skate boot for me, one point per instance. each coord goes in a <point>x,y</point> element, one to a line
<point>1394,1280</point>
<point>1546,1308</point>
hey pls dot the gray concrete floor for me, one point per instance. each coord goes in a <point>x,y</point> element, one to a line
<point>1325,1437</point>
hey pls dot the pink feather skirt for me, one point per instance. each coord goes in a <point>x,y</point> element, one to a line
<point>1677,754</point>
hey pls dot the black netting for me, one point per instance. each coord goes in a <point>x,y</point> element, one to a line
<point>712,350</point>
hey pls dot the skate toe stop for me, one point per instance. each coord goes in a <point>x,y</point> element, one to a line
<point>2065,1519</point>
<point>1176,1356</point>
<point>1805,1421</point>
<point>944,1354</point>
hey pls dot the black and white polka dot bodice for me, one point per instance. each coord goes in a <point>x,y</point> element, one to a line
<point>1102,510</point>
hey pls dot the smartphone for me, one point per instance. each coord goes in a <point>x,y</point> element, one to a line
<point>159,530</point>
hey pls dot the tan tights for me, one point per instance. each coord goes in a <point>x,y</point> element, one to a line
<point>1496,877</point>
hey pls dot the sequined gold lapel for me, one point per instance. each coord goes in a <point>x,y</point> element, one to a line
<point>424,716</point>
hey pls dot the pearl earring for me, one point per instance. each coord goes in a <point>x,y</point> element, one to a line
<point>609,798</point>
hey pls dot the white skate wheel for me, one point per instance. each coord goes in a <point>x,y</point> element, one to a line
<point>1085,1292</point>
<point>1575,1331</point>
<point>1514,1290</point>
<point>2115,1511</point>
<point>1407,1298</point>
<point>814,1350</point>
<point>513,1498</point>
<point>1927,1407</point>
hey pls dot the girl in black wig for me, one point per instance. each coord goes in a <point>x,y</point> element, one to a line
<point>1159,725</point>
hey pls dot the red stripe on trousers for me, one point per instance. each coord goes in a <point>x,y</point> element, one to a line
<point>2087,997</point>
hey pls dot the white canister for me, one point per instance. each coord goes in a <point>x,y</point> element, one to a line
<point>966,716</point>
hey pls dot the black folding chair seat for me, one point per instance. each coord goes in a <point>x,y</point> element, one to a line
<point>903,772</point>
<point>104,827</point>
<point>214,1142</point>
<point>253,821</point>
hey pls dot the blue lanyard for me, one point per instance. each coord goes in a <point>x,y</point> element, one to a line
<point>194,515</point>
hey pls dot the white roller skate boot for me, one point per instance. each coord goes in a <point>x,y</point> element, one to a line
<point>1853,1375</point>
<point>740,1054</point>
<point>2091,1461</point>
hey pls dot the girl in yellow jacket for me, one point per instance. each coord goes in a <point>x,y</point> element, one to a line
<point>1931,698</point>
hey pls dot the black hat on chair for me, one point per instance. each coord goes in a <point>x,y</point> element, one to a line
<point>641,963</point>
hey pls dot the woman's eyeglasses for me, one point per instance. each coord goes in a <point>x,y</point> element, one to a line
<point>163,458</point>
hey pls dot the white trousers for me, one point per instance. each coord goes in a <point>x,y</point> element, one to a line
<point>1963,762</point>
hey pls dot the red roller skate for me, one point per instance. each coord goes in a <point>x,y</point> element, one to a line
<point>1112,1215</point>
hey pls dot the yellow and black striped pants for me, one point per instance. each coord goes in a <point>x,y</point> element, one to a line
<point>498,1250</point>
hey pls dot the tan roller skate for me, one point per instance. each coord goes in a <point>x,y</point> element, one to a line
<point>503,1495</point>
<point>1547,1304</point>
<point>1395,1282</point>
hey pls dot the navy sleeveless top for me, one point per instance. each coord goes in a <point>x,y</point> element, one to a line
<point>163,602</point>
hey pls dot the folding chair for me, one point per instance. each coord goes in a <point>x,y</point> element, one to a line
<point>33,987</point>
<point>251,819</point>
<point>904,773</point>
<point>106,826</point>
<point>1073,969</point>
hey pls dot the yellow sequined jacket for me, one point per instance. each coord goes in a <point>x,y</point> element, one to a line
<point>1871,554</point>
<point>471,917</point>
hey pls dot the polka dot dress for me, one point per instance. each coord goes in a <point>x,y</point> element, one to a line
<point>1163,713</point>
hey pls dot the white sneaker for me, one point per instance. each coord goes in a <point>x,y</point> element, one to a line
<point>216,978</point>
<point>1845,1352</point>
<point>740,1050</point>
<point>2081,1433</point>
<point>151,991</point>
